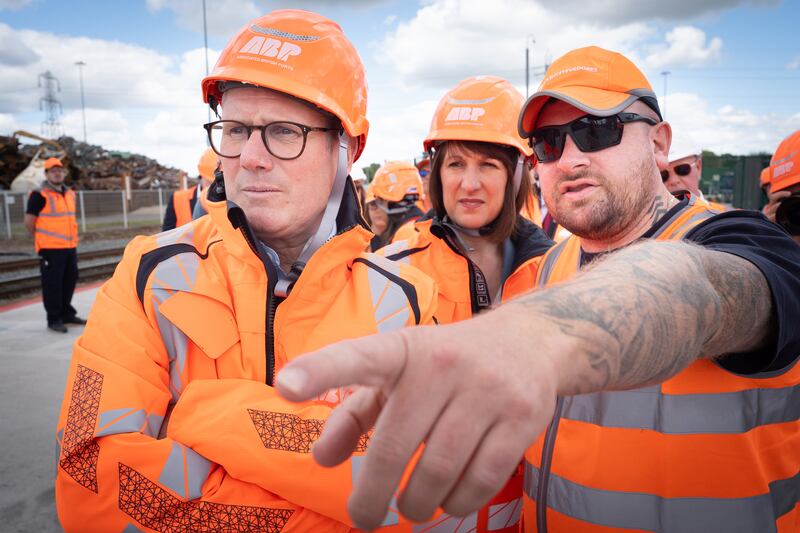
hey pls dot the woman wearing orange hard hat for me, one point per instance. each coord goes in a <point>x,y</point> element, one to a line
<point>170,421</point>
<point>394,194</point>
<point>477,246</point>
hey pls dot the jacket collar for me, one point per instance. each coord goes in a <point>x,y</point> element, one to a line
<point>351,238</point>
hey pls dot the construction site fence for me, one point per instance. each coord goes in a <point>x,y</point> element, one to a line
<point>95,210</point>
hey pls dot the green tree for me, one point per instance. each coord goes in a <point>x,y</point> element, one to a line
<point>370,171</point>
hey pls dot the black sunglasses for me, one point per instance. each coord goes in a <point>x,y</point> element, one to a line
<point>681,170</point>
<point>589,133</point>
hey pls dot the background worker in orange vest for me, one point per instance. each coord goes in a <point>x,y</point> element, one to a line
<point>394,193</point>
<point>50,218</point>
<point>781,183</point>
<point>684,171</point>
<point>659,386</point>
<point>186,205</point>
<point>424,168</point>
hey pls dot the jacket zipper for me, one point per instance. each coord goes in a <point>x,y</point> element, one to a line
<point>272,307</point>
<point>544,468</point>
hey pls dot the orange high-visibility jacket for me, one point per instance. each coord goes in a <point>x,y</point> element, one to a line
<point>169,420</point>
<point>56,226</point>
<point>706,450</point>
<point>181,203</point>
<point>462,294</point>
<point>462,291</point>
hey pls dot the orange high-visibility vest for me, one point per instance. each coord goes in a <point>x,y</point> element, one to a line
<point>706,450</point>
<point>56,226</point>
<point>181,202</point>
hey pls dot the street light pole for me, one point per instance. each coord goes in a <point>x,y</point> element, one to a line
<point>666,73</point>
<point>80,65</point>
<point>528,41</point>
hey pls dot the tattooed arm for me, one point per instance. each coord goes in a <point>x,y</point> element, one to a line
<point>644,313</point>
<point>478,392</point>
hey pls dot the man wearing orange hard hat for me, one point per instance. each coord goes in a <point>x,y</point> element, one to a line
<point>651,382</point>
<point>170,421</point>
<point>783,176</point>
<point>50,218</point>
<point>187,204</point>
<point>395,192</point>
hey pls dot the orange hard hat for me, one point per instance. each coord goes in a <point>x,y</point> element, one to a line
<point>395,180</point>
<point>765,177</point>
<point>480,108</point>
<point>208,164</point>
<point>597,81</point>
<point>784,167</point>
<point>302,54</point>
<point>52,162</point>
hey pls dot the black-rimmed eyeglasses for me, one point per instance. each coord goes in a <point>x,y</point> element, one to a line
<point>284,140</point>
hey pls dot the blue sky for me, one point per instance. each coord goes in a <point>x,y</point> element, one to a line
<point>734,83</point>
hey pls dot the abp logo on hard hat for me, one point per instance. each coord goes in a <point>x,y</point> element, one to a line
<point>472,114</point>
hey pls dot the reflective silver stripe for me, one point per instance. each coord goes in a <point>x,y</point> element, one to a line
<point>504,515</point>
<point>546,267</point>
<point>154,423</point>
<point>654,513</point>
<point>684,414</point>
<point>178,273</point>
<point>672,219</point>
<point>55,215</point>
<point>449,524</point>
<point>175,341</point>
<point>391,518</point>
<point>181,234</point>
<point>187,480</point>
<point>692,222</point>
<point>396,248</point>
<point>389,302</point>
<point>116,421</point>
<point>54,234</point>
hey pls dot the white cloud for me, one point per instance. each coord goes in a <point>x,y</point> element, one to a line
<point>223,17</point>
<point>137,99</point>
<point>397,133</point>
<point>389,20</point>
<point>794,64</point>
<point>8,124</point>
<point>685,46</point>
<point>474,36</point>
<point>727,129</point>
<point>620,11</point>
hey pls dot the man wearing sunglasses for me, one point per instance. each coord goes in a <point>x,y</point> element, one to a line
<point>684,171</point>
<point>653,378</point>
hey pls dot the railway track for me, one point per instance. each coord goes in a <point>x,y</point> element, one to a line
<point>27,283</point>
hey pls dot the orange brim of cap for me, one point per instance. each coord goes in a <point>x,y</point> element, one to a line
<point>592,100</point>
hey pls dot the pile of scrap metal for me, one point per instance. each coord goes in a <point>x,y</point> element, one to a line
<point>90,167</point>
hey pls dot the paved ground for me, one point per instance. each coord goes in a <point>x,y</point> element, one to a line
<point>34,364</point>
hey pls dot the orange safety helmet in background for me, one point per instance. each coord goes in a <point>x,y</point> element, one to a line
<point>395,180</point>
<point>52,162</point>
<point>208,164</point>
<point>784,168</point>
<point>765,178</point>
<point>304,55</point>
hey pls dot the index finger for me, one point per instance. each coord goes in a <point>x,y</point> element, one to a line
<point>377,360</point>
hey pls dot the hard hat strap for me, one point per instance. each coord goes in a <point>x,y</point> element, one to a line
<point>327,226</point>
